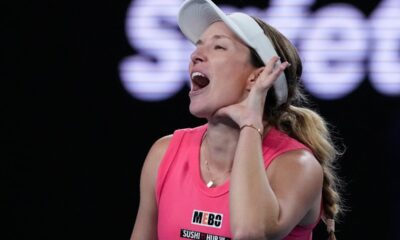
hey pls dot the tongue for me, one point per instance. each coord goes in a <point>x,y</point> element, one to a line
<point>201,81</point>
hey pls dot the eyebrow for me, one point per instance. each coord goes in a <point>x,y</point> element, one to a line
<point>215,37</point>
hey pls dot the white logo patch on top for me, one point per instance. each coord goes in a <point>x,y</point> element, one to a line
<point>208,219</point>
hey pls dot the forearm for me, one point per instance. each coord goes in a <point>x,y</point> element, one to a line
<point>254,208</point>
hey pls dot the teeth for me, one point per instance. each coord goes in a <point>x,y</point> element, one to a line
<point>196,74</point>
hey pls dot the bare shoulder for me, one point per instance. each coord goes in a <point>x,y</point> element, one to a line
<point>297,161</point>
<point>157,151</point>
<point>152,163</point>
<point>296,170</point>
<point>160,146</point>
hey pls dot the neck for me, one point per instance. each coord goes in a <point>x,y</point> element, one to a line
<point>220,145</point>
<point>218,151</point>
<point>222,138</point>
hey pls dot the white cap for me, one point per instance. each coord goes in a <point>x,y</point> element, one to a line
<point>195,16</point>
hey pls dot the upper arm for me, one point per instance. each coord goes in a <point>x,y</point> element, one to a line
<point>296,178</point>
<point>146,219</point>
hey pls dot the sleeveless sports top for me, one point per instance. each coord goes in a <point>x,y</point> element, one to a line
<point>187,208</point>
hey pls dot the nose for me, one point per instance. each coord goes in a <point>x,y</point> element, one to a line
<point>198,56</point>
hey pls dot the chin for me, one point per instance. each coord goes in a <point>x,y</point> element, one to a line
<point>199,113</point>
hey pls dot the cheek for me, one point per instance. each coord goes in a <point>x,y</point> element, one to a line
<point>235,77</point>
<point>231,92</point>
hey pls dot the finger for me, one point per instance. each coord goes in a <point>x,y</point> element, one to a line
<point>269,79</point>
<point>279,69</point>
<point>270,66</point>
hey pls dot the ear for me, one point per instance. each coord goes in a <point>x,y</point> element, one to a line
<point>251,80</point>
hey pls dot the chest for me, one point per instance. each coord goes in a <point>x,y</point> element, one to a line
<point>187,209</point>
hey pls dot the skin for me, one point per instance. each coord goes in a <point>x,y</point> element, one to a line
<point>287,194</point>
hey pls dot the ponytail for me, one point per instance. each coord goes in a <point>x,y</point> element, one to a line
<point>309,128</point>
<point>330,225</point>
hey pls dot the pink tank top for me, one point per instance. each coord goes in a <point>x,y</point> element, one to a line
<point>187,208</point>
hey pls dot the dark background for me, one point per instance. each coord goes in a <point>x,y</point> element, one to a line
<point>75,140</point>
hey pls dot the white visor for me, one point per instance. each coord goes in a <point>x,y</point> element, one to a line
<point>196,15</point>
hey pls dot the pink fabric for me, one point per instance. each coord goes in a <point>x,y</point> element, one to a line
<point>187,209</point>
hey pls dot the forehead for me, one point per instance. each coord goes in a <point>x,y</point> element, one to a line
<point>219,30</point>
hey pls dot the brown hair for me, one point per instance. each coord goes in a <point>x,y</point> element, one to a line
<point>301,122</point>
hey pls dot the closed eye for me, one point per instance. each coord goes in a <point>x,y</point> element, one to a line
<point>219,47</point>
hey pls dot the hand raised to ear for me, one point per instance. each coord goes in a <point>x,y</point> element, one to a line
<point>251,109</point>
<point>267,75</point>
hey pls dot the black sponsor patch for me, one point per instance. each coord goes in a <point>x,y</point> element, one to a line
<point>190,234</point>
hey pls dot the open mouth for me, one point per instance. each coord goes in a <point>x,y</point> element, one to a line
<point>199,81</point>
